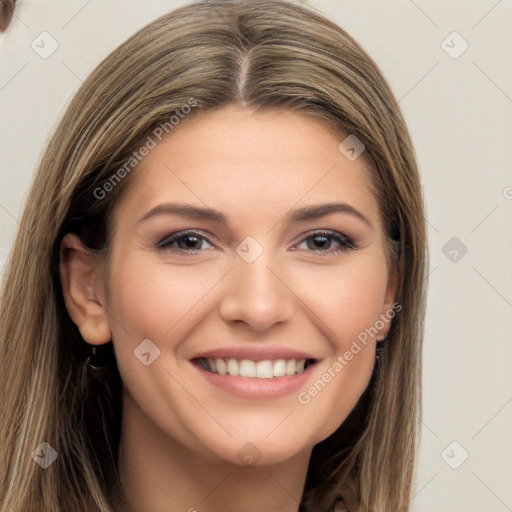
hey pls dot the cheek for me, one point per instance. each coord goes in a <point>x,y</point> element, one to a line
<point>154,301</point>
<point>346,299</point>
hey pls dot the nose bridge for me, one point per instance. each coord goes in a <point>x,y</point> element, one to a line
<point>254,292</point>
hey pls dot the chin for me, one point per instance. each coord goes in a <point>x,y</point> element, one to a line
<point>258,450</point>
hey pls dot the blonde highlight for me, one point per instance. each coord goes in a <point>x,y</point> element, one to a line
<point>263,55</point>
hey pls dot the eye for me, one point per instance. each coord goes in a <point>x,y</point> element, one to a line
<point>188,241</point>
<point>321,241</point>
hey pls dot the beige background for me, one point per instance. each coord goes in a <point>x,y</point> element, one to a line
<point>459,111</point>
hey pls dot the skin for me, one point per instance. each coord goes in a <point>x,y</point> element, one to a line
<point>181,435</point>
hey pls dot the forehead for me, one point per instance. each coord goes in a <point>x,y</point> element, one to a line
<point>237,160</point>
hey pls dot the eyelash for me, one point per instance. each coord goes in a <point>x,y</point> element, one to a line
<point>344,241</point>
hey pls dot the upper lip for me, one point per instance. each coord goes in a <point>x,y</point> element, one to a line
<point>253,353</point>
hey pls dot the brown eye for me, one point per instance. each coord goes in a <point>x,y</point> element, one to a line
<point>322,241</point>
<point>190,241</point>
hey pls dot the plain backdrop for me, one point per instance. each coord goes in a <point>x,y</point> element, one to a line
<point>449,64</point>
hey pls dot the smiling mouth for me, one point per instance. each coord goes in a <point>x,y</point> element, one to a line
<point>246,368</point>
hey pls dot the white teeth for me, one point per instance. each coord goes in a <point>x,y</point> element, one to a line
<point>247,368</point>
<point>251,369</point>
<point>290,367</point>
<point>279,368</point>
<point>233,367</point>
<point>264,370</point>
<point>222,368</point>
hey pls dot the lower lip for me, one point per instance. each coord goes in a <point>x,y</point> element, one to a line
<point>257,388</point>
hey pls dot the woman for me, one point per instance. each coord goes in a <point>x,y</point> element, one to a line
<point>216,297</point>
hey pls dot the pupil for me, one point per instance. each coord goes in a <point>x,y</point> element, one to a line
<point>192,239</point>
<point>321,240</point>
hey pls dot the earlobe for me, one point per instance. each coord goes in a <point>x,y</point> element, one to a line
<point>81,282</point>
<point>389,306</point>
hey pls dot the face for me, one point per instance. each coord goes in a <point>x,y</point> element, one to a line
<point>223,260</point>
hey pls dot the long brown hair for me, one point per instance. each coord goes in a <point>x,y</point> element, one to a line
<point>269,54</point>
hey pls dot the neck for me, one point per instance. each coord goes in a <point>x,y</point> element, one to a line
<point>158,474</point>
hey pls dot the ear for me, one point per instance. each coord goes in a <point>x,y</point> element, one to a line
<point>83,290</point>
<point>389,307</point>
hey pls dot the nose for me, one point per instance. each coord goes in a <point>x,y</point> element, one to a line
<point>257,294</point>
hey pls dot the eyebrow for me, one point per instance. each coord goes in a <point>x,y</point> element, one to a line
<point>305,213</point>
